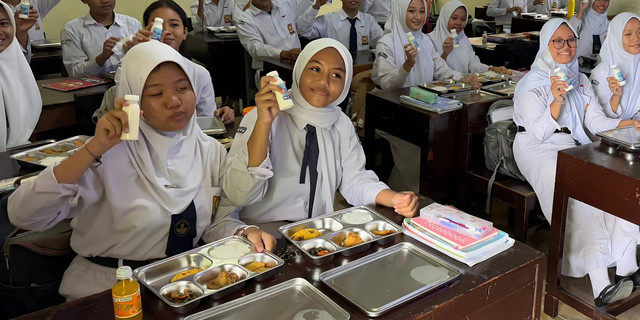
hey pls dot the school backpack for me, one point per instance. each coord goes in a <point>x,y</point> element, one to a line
<point>498,144</point>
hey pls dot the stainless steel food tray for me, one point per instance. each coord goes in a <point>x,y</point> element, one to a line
<point>211,125</point>
<point>386,279</point>
<point>63,148</point>
<point>506,88</point>
<point>294,299</point>
<point>445,86</point>
<point>45,44</point>
<point>491,77</point>
<point>334,229</point>
<point>472,96</point>
<point>157,276</point>
<point>628,138</point>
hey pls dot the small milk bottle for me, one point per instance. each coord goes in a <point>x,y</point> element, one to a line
<point>618,75</point>
<point>284,99</point>
<point>25,5</point>
<point>157,29</point>
<point>485,37</point>
<point>454,35</point>
<point>133,113</point>
<point>563,77</point>
<point>413,41</point>
<point>127,302</point>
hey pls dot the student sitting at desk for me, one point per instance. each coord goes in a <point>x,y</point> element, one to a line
<point>591,23</point>
<point>267,29</point>
<point>36,31</point>
<point>504,10</point>
<point>87,42</point>
<point>547,5</point>
<point>288,165</point>
<point>453,15</point>
<point>379,9</point>
<point>551,119</point>
<point>214,13</point>
<point>20,103</point>
<point>620,48</point>
<point>126,197</point>
<point>354,29</point>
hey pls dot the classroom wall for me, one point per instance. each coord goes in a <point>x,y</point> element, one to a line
<point>615,6</point>
<point>70,9</point>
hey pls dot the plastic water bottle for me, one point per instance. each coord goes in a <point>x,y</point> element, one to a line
<point>618,75</point>
<point>484,37</point>
<point>454,35</point>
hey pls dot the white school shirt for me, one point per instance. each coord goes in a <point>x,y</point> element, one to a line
<point>336,25</point>
<point>388,75</point>
<point>272,191</point>
<point>265,35</point>
<point>585,45</point>
<point>498,9</point>
<point>553,4</point>
<point>82,40</point>
<point>37,30</point>
<point>379,9</point>
<point>215,15</point>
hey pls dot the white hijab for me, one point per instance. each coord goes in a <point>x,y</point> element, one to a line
<point>612,53</point>
<point>459,57</point>
<point>322,118</point>
<point>593,23</point>
<point>395,37</point>
<point>542,69</point>
<point>173,163</point>
<point>20,102</point>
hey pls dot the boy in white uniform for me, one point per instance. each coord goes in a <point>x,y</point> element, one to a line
<point>379,9</point>
<point>267,29</point>
<point>342,25</point>
<point>87,42</point>
<point>214,13</point>
<point>36,32</point>
<point>504,10</point>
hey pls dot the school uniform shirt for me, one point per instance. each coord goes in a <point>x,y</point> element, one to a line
<point>37,31</point>
<point>266,34</point>
<point>592,25</point>
<point>613,53</point>
<point>462,59</point>
<point>215,15</point>
<point>379,9</point>
<point>82,40</point>
<point>498,9</point>
<point>336,25</point>
<point>594,239</point>
<point>123,208</point>
<point>552,4</point>
<point>273,191</point>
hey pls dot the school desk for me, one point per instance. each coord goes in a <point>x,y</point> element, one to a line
<point>526,23</point>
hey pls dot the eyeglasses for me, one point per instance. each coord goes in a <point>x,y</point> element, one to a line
<point>559,43</point>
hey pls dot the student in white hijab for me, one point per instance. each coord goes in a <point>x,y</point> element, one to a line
<point>20,102</point>
<point>139,200</point>
<point>398,64</point>
<point>267,166</point>
<point>453,15</point>
<point>620,48</point>
<point>550,119</point>
<point>591,24</point>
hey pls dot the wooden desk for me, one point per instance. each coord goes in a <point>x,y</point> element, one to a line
<point>603,177</point>
<point>224,58</point>
<point>507,286</point>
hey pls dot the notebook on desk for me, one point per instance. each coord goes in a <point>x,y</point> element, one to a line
<point>75,84</point>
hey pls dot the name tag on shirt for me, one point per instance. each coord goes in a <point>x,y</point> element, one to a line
<point>365,40</point>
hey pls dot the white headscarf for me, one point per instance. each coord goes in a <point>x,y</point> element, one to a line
<point>612,53</point>
<point>459,57</point>
<point>542,69</point>
<point>20,102</point>
<point>172,162</point>
<point>322,118</point>
<point>593,23</point>
<point>395,37</point>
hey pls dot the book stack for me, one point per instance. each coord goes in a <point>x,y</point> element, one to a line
<point>457,234</point>
<point>441,106</point>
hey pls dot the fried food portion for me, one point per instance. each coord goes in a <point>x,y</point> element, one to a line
<point>382,232</point>
<point>305,234</point>
<point>181,297</point>
<point>223,279</point>
<point>258,266</point>
<point>185,273</point>
<point>352,239</point>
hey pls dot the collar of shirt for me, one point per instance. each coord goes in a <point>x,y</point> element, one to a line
<point>343,15</point>
<point>299,123</point>
<point>118,20</point>
<point>255,11</point>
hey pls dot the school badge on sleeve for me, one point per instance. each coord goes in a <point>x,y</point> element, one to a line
<point>365,40</point>
<point>227,18</point>
<point>290,27</point>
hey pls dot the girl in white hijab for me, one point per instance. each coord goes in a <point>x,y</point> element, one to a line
<point>398,64</point>
<point>453,15</point>
<point>267,167</point>
<point>20,102</point>
<point>146,199</point>
<point>550,119</point>
<point>591,23</point>
<point>620,48</point>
